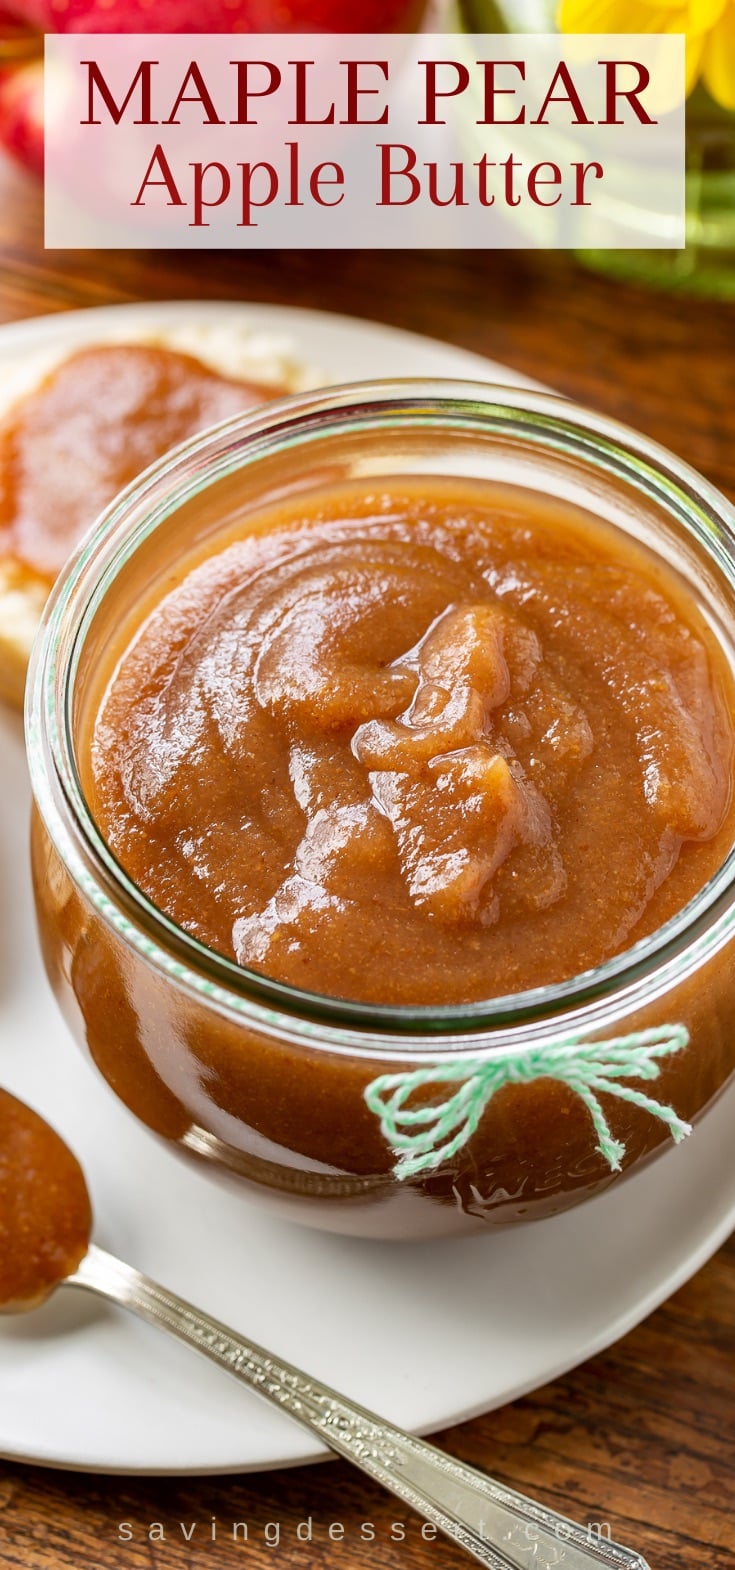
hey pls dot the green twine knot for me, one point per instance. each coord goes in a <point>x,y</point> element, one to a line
<point>425,1136</point>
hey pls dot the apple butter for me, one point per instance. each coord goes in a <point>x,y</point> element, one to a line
<point>45,1214</point>
<point>92,425</point>
<point>429,743</point>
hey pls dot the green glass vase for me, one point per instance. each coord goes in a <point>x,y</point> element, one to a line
<point>706,264</point>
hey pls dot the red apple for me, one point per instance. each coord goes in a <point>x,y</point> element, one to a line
<point>214,16</point>
<point>21,113</point>
<point>13,31</point>
<point>21,86</point>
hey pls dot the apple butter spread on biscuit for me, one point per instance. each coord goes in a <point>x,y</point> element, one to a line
<point>417,742</point>
<point>88,427</point>
<point>94,423</point>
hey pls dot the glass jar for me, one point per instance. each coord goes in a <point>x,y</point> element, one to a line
<point>283,1091</point>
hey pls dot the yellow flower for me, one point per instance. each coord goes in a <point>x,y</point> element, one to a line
<point>709,26</point>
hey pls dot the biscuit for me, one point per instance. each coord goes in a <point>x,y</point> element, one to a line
<point>234,351</point>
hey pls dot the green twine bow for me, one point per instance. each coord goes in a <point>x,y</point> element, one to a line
<point>425,1136</point>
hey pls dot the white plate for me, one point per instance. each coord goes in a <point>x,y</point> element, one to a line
<point>428,1334</point>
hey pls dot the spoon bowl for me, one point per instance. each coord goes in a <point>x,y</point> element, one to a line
<point>45,1210</point>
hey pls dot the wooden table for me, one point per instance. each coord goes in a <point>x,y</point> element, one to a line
<point>643,1437</point>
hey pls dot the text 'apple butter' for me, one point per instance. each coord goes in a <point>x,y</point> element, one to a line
<point>418,742</point>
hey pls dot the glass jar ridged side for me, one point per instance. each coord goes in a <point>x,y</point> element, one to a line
<point>381,1121</point>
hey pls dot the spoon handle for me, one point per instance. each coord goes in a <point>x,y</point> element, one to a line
<point>502,1529</point>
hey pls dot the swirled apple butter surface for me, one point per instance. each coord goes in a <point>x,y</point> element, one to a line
<point>422,744</point>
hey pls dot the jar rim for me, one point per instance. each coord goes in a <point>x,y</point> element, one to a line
<point>556,424</point>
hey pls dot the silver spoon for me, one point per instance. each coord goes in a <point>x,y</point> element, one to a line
<point>45,1224</point>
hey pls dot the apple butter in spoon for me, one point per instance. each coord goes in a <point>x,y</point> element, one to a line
<point>45,1213</point>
